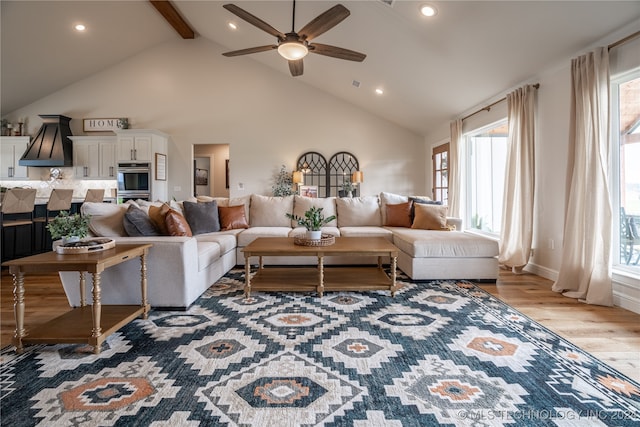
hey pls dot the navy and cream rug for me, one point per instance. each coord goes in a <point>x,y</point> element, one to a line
<point>439,353</point>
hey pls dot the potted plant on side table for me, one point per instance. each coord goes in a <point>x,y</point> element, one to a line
<point>68,227</point>
<point>313,221</point>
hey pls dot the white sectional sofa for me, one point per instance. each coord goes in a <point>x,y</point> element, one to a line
<point>181,268</point>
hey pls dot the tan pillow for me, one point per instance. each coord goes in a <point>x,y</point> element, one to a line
<point>398,215</point>
<point>157,214</point>
<point>358,211</point>
<point>268,211</point>
<point>177,224</point>
<point>232,217</point>
<point>107,219</point>
<point>430,217</point>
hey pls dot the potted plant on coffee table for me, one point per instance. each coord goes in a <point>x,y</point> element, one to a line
<point>68,227</point>
<point>313,221</point>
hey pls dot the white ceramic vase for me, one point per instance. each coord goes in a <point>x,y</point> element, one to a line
<point>314,235</point>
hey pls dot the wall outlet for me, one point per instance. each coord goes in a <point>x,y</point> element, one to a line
<point>551,244</point>
<point>240,186</point>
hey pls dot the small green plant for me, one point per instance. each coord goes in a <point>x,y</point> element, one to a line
<point>348,186</point>
<point>65,225</point>
<point>313,219</point>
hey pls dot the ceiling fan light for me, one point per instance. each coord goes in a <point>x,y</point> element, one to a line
<point>293,50</point>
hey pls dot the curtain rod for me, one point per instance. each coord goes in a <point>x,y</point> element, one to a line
<point>488,107</point>
<point>624,40</point>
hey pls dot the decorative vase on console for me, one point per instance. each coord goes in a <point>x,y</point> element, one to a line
<point>313,221</point>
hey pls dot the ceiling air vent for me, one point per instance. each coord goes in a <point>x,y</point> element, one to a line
<point>388,2</point>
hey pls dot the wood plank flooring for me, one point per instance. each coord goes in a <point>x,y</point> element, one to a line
<point>611,334</point>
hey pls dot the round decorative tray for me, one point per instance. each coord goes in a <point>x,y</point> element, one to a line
<point>85,246</point>
<point>325,240</point>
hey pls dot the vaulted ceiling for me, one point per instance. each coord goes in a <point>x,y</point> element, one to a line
<point>431,69</point>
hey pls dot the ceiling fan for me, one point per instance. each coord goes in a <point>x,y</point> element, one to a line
<point>294,46</point>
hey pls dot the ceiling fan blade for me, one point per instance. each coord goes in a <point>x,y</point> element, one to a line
<point>336,52</point>
<point>253,20</point>
<point>324,22</point>
<point>296,67</point>
<point>251,50</point>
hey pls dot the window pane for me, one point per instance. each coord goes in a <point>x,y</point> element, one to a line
<point>487,154</point>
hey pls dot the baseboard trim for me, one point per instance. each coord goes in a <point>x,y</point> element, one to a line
<point>541,271</point>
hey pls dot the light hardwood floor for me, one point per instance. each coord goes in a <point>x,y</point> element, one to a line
<point>611,334</point>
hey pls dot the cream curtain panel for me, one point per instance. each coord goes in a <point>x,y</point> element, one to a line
<point>455,175</point>
<point>585,272</point>
<point>516,231</point>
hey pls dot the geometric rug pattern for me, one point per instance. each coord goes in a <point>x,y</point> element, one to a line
<point>438,353</point>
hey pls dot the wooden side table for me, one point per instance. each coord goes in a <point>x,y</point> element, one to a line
<point>85,324</point>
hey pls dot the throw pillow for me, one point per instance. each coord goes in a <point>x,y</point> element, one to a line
<point>106,218</point>
<point>399,215</point>
<point>358,211</point>
<point>137,223</point>
<point>157,214</point>
<point>422,201</point>
<point>202,216</point>
<point>430,217</point>
<point>232,217</point>
<point>177,224</point>
<point>266,211</point>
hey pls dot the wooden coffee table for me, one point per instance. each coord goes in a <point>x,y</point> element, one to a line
<point>319,278</point>
<point>85,324</point>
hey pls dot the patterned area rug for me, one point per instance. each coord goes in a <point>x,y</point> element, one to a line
<point>439,353</point>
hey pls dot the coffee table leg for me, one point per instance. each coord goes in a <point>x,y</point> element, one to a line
<point>394,261</point>
<point>97,310</point>
<point>18,310</point>
<point>143,284</point>
<point>247,276</point>
<point>321,275</point>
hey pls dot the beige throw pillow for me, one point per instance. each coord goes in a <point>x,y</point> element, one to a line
<point>302,204</point>
<point>430,217</point>
<point>107,219</point>
<point>358,211</point>
<point>268,211</point>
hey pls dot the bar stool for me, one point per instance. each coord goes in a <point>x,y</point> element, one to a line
<point>94,195</point>
<point>59,200</point>
<point>19,203</point>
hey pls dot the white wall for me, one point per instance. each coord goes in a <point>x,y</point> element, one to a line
<point>187,89</point>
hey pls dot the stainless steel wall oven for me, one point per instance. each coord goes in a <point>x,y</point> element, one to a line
<point>134,181</point>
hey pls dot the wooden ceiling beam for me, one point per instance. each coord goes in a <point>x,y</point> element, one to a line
<point>173,17</point>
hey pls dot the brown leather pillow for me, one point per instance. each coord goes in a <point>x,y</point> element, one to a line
<point>399,215</point>
<point>430,217</point>
<point>157,215</point>
<point>177,224</point>
<point>232,217</point>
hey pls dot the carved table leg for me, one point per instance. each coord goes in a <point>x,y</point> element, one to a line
<point>97,311</point>
<point>18,310</point>
<point>83,284</point>
<point>247,275</point>
<point>143,284</point>
<point>394,261</point>
<point>321,275</point>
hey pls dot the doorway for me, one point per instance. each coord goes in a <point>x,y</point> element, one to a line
<point>210,164</point>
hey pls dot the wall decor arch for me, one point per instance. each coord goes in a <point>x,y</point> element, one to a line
<point>342,165</point>
<point>313,165</point>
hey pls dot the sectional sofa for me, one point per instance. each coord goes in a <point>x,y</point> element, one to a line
<point>181,268</point>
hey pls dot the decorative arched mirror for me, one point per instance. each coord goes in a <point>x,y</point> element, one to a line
<point>342,165</point>
<point>313,166</point>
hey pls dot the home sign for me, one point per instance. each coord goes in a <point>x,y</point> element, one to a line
<point>102,125</point>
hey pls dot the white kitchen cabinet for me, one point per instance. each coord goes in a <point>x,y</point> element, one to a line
<point>94,157</point>
<point>11,149</point>
<point>135,148</point>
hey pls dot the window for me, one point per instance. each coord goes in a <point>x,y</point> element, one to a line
<point>625,102</point>
<point>486,161</point>
<point>440,158</point>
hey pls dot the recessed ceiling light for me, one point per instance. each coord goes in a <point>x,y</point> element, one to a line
<point>80,27</point>
<point>428,10</point>
<point>379,91</point>
<point>232,26</point>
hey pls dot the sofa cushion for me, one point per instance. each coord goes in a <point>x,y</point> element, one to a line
<point>302,204</point>
<point>208,253</point>
<point>430,217</point>
<point>268,211</point>
<point>157,215</point>
<point>435,244</point>
<point>177,224</point>
<point>358,211</point>
<point>390,199</point>
<point>227,241</point>
<point>398,215</point>
<point>137,223</point>
<point>107,219</point>
<point>366,232</point>
<point>202,216</point>
<point>250,234</point>
<point>232,217</point>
